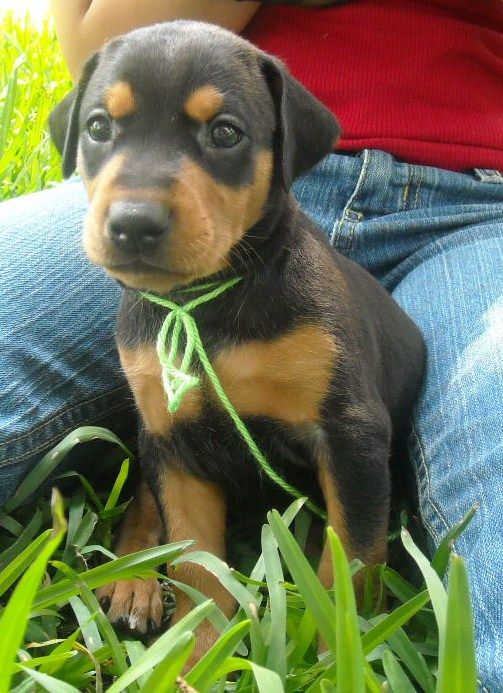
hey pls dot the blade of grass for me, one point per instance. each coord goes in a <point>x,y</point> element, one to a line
<point>105,627</point>
<point>49,683</point>
<point>276,651</point>
<point>156,652</point>
<point>305,578</point>
<point>457,672</point>
<point>87,624</point>
<point>349,653</point>
<point>16,567</point>
<point>378,634</point>
<point>53,458</point>
<point>401,644</point>
<point>134,565</point>
<point>118,485</point>
<point>267,681</point>
<point>23,540</point>
<point>437,591</point>
<point>395,675</point>
<point>442,554</point>
<point>135,649</point>
<point>16,614</point>
<point>162,679</point>
<point>202,675</point>
<point>221,570</point>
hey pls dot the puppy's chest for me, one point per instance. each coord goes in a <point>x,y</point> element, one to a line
<point>285,379</point>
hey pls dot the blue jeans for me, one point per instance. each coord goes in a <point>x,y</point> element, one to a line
<point>432,237</point>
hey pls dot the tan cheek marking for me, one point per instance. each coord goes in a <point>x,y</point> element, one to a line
<point>204,103</point>
<point>101,192</point>
<point>285,379</point>
<point>120,100</point>
<point>211,217</point>
<point>143,371</point>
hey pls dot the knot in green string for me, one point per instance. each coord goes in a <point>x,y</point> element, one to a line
<point>178,381</point>
<point>176,378</point>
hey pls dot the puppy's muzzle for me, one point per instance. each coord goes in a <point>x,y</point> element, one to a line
<point>136,227</point>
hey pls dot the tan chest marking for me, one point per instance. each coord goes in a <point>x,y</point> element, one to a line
<point>285,379</point>
<point>143,371</point>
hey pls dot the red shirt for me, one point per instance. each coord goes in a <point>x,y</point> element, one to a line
<point>420,79</point>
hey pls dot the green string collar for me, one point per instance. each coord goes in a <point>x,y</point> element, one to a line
<point>178,380</point>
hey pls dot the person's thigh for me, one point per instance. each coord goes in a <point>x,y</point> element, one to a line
<point>58,363</point>
<point>455,295</point>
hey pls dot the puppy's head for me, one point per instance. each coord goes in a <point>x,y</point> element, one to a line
<point>181,133</point>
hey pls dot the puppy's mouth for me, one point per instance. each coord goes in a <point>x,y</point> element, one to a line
<point>138,265</point>
<point>145,276</point>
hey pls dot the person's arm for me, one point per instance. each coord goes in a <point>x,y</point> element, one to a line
<point>83,26</point>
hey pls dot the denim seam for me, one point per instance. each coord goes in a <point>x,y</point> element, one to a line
<point>407,187</point>
<point>62,412</point>
<point>426,487</point>
<point>419,185</point>
<point>347,211</point>
<point>56,438</point>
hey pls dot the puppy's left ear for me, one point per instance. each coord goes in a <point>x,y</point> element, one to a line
<point>64,119</point>
<point>306,130</point>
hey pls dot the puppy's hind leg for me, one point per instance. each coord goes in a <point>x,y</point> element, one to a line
<point>355,481</point>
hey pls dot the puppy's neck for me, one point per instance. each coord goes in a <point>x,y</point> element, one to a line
<point>263,245</point>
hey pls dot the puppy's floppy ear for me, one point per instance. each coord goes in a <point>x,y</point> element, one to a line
<point>306,130</point>
<point>64,119</point>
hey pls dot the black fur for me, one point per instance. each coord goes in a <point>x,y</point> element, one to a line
<point>291,275</point>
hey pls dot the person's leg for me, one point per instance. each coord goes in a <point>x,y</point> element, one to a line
<point>435,240</point>
<point>455,295</point>
<point>58,363</point>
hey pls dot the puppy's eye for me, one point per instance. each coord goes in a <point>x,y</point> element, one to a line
<point>99,128</point>
<point>225,135</point>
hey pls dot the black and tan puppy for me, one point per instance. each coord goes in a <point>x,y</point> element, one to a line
<point>187,139</point>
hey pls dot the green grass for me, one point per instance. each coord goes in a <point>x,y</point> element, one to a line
<point>54,552</point>
<point>33,78</point>
<point>55,636</point>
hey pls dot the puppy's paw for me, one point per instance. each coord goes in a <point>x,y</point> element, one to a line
<point>134,605</point>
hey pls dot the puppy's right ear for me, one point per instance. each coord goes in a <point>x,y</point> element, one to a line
<point>64,119</point>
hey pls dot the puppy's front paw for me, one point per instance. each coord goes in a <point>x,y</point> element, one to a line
<point>133,604</point>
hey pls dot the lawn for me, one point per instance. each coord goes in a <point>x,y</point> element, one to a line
<point>54,551</point>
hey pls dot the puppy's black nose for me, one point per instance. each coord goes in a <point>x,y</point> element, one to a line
<point>137,226</point>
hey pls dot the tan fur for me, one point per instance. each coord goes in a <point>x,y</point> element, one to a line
<point>143,371</point>
<point>102,191</point>
<point>209,219</point>
<point>285,379</point>
<point>336,520</point>
<point>204,103</point>
<point>196,509</point>
<point>140,600</point>
<point>120,100</point>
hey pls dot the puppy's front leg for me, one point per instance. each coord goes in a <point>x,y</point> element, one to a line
<point>137,603</point>
<point>196,509</point>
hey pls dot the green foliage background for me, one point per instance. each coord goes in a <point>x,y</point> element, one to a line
<point>33,78</point>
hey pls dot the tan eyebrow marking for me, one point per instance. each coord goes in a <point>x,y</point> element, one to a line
<point>204,103</point>
<point>119,100</point>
